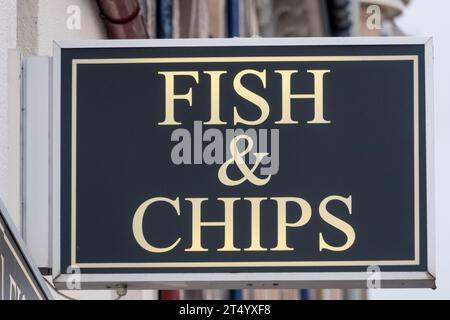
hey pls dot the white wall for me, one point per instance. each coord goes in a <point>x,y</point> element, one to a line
<point>52,23</point>
<point>30,27</point>
<point>430,18</point>
<point>43,21</point>
<point>7,40</point>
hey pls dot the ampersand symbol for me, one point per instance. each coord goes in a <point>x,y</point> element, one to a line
<point>237,157</point>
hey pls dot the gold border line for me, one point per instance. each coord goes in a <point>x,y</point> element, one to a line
<point>245,59</point>
<point>73,177</point>
<point>206,264</point>
<point>413,58</point>
<point>416,162</point>
<point>24,270</point>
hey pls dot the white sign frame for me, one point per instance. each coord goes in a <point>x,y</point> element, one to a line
<point>244,280</point>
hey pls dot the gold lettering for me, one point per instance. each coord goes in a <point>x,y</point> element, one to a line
<point>249,95</point>
<point>256,225</point>
<point>197,224</point>
<point>306,213</point>
<point>337,223</point>
<point>138,219</point>
<point>215,97</point>
<point>287,96</point>
<point>171,96</point>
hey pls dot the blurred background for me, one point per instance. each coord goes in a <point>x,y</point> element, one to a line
<point>28,28</point>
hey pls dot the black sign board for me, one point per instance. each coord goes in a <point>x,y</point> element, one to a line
<point>19,278</point>
<point>244,160</point>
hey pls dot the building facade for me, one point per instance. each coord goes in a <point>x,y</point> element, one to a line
<point>28,28</point>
